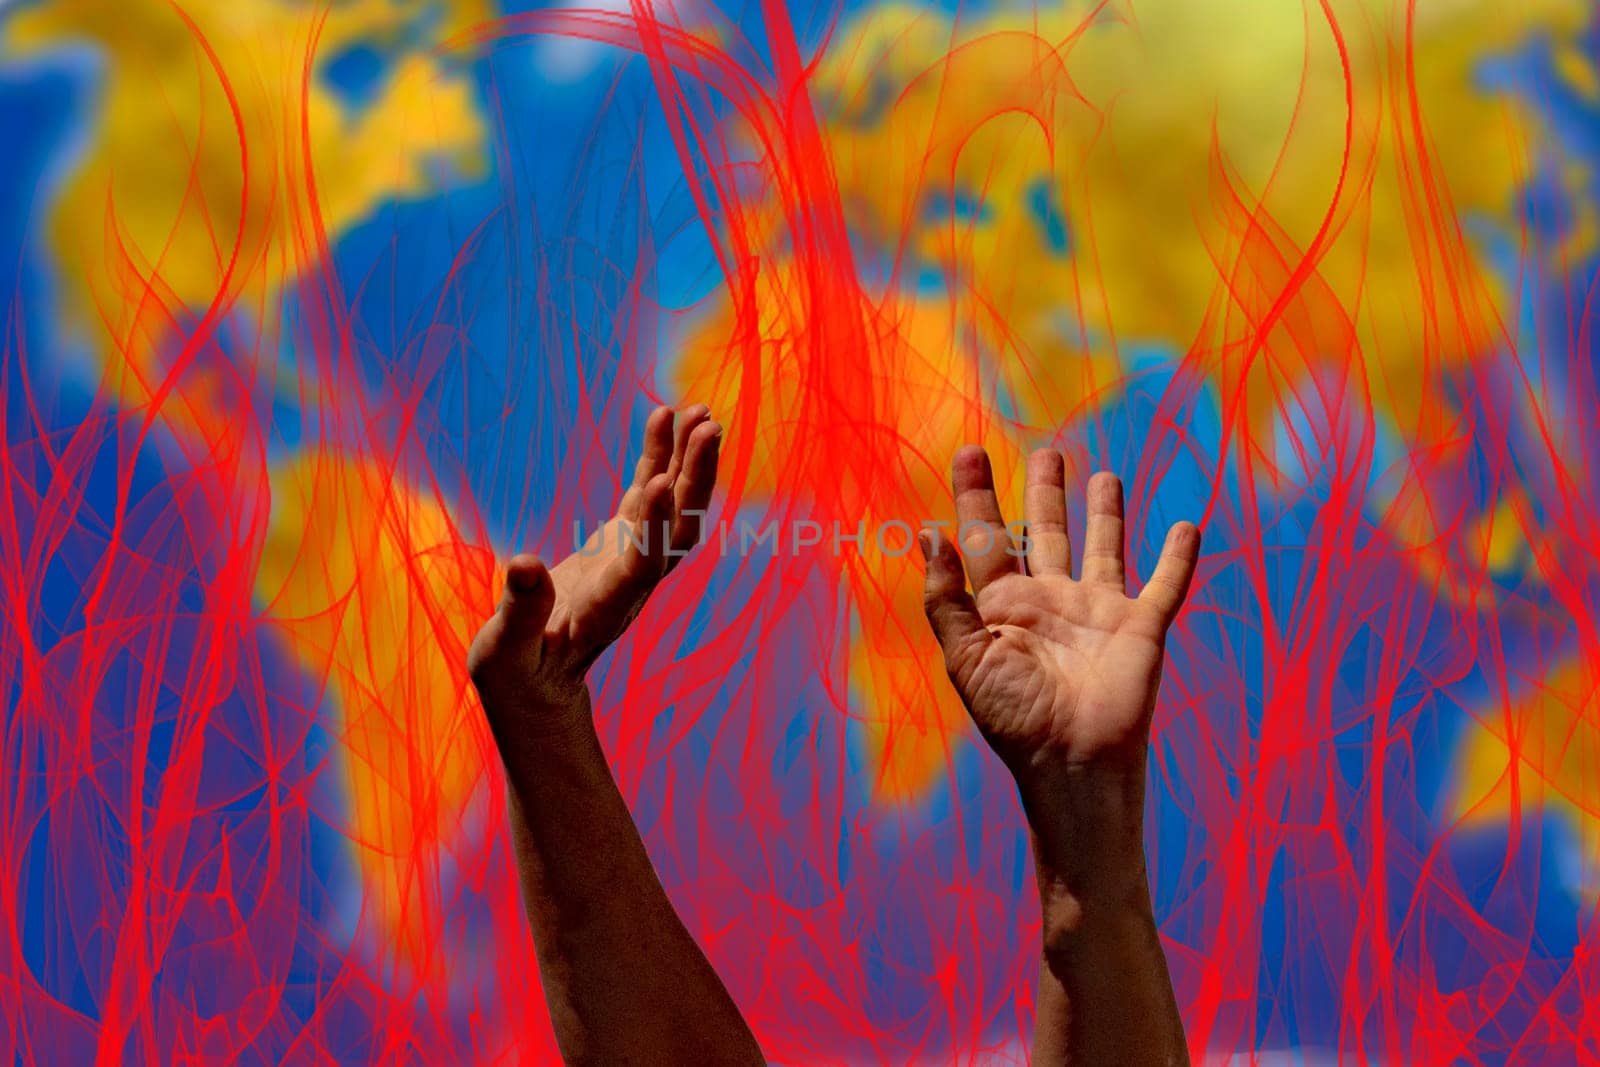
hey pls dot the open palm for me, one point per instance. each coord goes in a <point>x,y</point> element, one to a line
<point>1053,669</point>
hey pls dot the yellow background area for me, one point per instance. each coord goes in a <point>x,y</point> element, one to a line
<point>220,164</point>
<point>371,588</point>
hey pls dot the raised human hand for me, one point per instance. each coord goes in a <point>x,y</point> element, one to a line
<point>1057,672</point>
<point>529,660</point>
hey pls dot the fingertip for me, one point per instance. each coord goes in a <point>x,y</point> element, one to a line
<point>691,418</point>
<point>1047,465</point>
<point>1105,492</point>
<point>1184,537</point>
<point>707,433</point>
<point>970,468</point>
<point>526,573</point>
<point>529,592</point>
<point>1104,478</point>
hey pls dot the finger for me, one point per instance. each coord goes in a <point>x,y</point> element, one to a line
<point>692,490</point>
<point>692,419</point>
<point>529,596</point>
<point>1102,540</point>
<point>951,610</point>
<point>1044,505</point>
<point>653,460</point>
<point>628,579</point>
<point>986,545</point>
<point>1169,585</point>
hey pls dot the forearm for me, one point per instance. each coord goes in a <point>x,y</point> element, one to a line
<point>624,980</point>
<point>1105,995</point>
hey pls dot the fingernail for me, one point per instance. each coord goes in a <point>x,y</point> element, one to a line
<point>925,543</point>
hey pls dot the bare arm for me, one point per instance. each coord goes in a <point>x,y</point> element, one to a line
<point>624,980</point>
<point>1104,992</point>
<point>1060,676</point>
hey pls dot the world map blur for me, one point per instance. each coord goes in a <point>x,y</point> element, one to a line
<point>318,313</point>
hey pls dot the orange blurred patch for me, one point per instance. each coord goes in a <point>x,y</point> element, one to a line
<point>845,409</point>
<point>371,587</point>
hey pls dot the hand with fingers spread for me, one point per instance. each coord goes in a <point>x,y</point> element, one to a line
<point>1060,677</point>
<point>623,979</point>
<point>1055,670</point>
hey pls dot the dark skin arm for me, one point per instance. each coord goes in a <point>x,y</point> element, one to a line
<point>624,980</point>
<point>1060,677</point>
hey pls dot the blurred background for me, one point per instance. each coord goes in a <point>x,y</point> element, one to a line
<point>314,313</point>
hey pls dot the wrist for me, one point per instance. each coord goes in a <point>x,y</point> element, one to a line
<point>1087,822</point>
<point>543,720</point>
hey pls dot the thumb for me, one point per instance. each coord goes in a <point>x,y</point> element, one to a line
<point>529,598</point>
<point>951,611</point>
